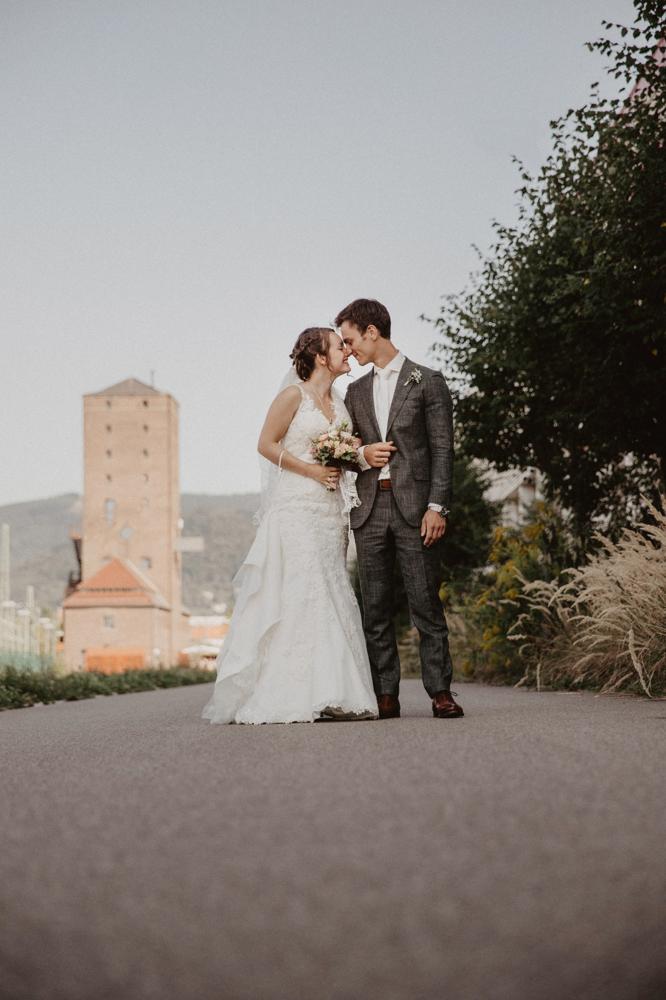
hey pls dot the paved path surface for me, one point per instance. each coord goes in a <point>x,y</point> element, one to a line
<point>517,854</point>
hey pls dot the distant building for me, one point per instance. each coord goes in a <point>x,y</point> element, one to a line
<point>27,639</point>
<point>209,628</point>
<point>207,635</point>
<point>128,597</point>
<point>118,616</point>
<point>515,490</point>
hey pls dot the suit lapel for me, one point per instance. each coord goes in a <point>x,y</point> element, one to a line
<point>368,401</point>
<point>402,391</point>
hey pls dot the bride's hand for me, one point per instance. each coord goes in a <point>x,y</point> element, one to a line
<point>326,475</point>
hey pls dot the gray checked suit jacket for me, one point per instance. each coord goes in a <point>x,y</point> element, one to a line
<point>420,425</point>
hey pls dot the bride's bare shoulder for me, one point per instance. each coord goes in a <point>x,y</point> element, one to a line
<point>287,400</point>
<point>291,394</point>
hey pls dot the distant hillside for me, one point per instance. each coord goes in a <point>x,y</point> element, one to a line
<point>225,523</point>
<point>42,553</point>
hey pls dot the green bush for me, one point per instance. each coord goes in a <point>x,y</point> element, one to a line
<point>488,608</point>
<point>22,688</point>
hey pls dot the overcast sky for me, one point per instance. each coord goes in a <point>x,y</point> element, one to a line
<point>185,186</point>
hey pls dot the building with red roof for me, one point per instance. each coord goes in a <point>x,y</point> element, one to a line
<point>127,604</point>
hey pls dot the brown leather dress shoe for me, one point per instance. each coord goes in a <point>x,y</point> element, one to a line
<point>444,707</point>
<point>389,706</point>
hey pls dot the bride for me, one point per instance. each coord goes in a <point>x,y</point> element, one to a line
<point>295,651</point>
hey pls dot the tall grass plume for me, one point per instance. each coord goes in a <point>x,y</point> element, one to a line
<point>605,626</point>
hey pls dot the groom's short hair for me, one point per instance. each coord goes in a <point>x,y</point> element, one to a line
<point>363,312</point>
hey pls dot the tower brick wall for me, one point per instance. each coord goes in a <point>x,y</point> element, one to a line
<point>131,506</point>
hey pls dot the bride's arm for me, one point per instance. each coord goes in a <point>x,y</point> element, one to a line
<point>276,425</point>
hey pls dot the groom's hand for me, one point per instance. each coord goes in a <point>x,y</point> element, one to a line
<point>433,527</point>
<point>378,454</point>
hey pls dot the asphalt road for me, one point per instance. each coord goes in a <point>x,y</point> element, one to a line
<point>516,854</point>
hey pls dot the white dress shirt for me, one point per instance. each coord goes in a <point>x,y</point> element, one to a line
<point>384,383</point>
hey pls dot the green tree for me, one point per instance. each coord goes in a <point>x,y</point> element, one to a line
<point>470,525</point>
<point>558,345</point>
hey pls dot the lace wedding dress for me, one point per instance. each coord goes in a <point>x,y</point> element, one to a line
<point>296,648</point>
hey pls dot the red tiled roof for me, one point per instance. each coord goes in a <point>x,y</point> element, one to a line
<point>117,584</point>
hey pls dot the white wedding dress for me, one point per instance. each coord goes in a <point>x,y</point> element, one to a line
<point>295,647</point>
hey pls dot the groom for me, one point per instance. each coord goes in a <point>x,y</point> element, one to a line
<point>403,412</point>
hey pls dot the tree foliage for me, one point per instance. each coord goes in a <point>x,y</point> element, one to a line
<point>469,530</point>
<point>559,344</point>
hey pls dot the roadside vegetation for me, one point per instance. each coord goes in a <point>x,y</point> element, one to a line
<point>556,353</point>
<point>604,623</point>
<point>23,688</point>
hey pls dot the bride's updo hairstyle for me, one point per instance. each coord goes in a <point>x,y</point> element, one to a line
<point>313,341</point>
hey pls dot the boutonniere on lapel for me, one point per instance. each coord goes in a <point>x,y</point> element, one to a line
<point>415,376</point>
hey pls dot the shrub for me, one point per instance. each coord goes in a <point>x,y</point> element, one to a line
<point>22,688</point>
<point>486,611</point>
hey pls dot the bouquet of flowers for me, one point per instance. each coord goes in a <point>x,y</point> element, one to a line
<point>336,447</point>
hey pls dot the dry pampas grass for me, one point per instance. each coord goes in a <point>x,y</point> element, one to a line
<point>605,627</point>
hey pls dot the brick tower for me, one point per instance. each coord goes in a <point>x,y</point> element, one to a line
<point>131,513</point>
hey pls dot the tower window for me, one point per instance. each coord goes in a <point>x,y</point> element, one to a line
<point>108,427</point>
<point>108,453</point>
<point>145,451</point>
<point>109,621</point>
<point>145,562</point>
<point>145,402</point>
<point>108,404</point>
<point>145,477</point>
<point>110,511</point>
<point>145,427</point>
<point>108,477</point>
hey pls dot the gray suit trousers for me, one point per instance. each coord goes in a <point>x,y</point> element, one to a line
<point>382,538</point>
